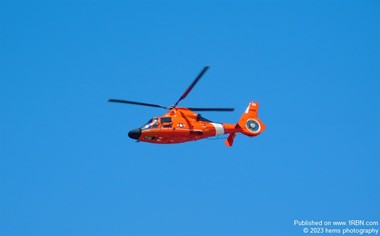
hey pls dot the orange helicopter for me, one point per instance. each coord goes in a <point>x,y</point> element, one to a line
<point>182,124</point>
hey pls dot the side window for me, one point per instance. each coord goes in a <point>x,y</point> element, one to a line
<point>166,122</point>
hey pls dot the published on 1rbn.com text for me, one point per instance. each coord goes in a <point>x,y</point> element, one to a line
<point>342,227</point>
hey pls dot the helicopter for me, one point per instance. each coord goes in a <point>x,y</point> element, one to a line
<point>183,124</point>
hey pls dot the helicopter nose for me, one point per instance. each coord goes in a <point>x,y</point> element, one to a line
<point>134,134</point>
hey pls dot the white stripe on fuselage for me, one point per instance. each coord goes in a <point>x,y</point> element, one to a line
<point>219,130</point>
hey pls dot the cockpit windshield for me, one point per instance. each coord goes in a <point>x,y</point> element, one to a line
<point>152,123</point>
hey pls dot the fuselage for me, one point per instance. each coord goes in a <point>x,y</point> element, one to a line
<point>180,125</point>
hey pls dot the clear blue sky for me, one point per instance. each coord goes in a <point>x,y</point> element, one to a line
<point>67,166</point>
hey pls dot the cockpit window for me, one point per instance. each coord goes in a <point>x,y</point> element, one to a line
<point>147,125</point>
<point>152,123</point>
<point>166,122</point>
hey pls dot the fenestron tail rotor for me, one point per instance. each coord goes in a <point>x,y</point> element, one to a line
<point>184,95</point>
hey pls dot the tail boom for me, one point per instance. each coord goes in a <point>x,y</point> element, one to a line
<point>249,124</point>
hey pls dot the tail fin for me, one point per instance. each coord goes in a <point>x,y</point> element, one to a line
<point>249,124</point>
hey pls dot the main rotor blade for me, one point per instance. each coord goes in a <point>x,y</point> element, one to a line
<point>191,85</point>
<point>136,103</point>
<point>210,109</point>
